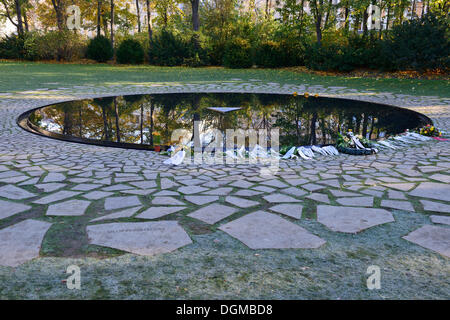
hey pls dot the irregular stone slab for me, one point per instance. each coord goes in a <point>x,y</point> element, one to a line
<point>8,208</point>
<point>395,204</point>
<point>356,201</point>
<point>121,202</point>
<point>191,189</point>
<point>219,191</point>
<point>432,190</point>
<point>247,193</point>
<point>166,193</point>
<point>400,186</point>
<point>158,212</point>
<point>86,187</point>
<point>213,213</point>
<point>121,214</point>
<point>294,191</point>
<point>167,201</point>
<point>392,194</point>
<point>16,179</point>
<point>201,200</point>
<point>274,183</point>
<point>139,192</point>
<point>143,238</point>
<point>263,230</point>
<point>351,219</point>
<point>144,184</point>
<point>49,187</point>
<point>291,210</point>
<point>332,183</point>
<point>374,193</point>
<point>440,219</point>
<point>68,208</point>
<point>241,184</point>
<point>432,237</point>
<point>435,206</point>
<point>241,203</point>
<point>296,181</point>
<point>191,182</point>
<point>440,177</point>
<point>167,183</point>
<point>95,195</point>
<point>117,187</point>
<point>319,197</point>
<point>54,177</point>
<point>15,193</point>
<point>339,193</point>
<point>277,198</point>
<point>312,187</point>
<point>21,242</point>
<point>60,195</point>
<point>264,189</point>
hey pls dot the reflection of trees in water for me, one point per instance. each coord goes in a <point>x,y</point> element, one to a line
<point>151,119</point>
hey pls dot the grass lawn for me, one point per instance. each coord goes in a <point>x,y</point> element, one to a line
<point>20,76</point>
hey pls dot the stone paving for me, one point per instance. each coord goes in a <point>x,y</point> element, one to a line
<point>113,191</point>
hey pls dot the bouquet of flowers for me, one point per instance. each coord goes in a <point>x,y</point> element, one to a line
<point>429,131</point>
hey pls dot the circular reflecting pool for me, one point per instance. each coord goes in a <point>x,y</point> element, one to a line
<point>146,121</point>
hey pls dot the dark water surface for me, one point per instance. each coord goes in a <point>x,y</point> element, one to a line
<point>149,120</point>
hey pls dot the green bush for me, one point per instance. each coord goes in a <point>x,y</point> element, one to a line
<point>100,49</point>
<point>170,49</point>
<point>130,52</point>
<point>356,52</point>
<point>167,49</point>
<point>270,54</point>
<point>54,45</point>
<point>325,57</point>
<point>418,44</point>
<point>274,54</point>
<point>238,54</point>
<point>12,47</point>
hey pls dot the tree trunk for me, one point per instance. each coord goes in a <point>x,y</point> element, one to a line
<point>149,22</point>
<point>151,122</point>
<point>99,14</point>
<point>365,21</point>
<point>319,30</point>
<point>112,26</point>
<point>142,123</point>
<point>138,16</point>
<point>116,112</point>
<point>318,20</point>
<point>328,14</point>
<point>105,124</point>
<point>19,17</point>
<point>346,15</point>
<point>195,15</point>
<point>312,137</point>
<point>388,13</point>
<point>58,6</point>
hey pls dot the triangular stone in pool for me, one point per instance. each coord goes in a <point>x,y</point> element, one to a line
<point>224,109</point>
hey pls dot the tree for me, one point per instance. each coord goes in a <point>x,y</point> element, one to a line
<point>195,15</point>
<point>11,9</point>
<point>149,22</point>
<point>99,15</point>
<point>59,7</point>
<point>112,23</point>
<point>318,9</point>
<point>138,16</point>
